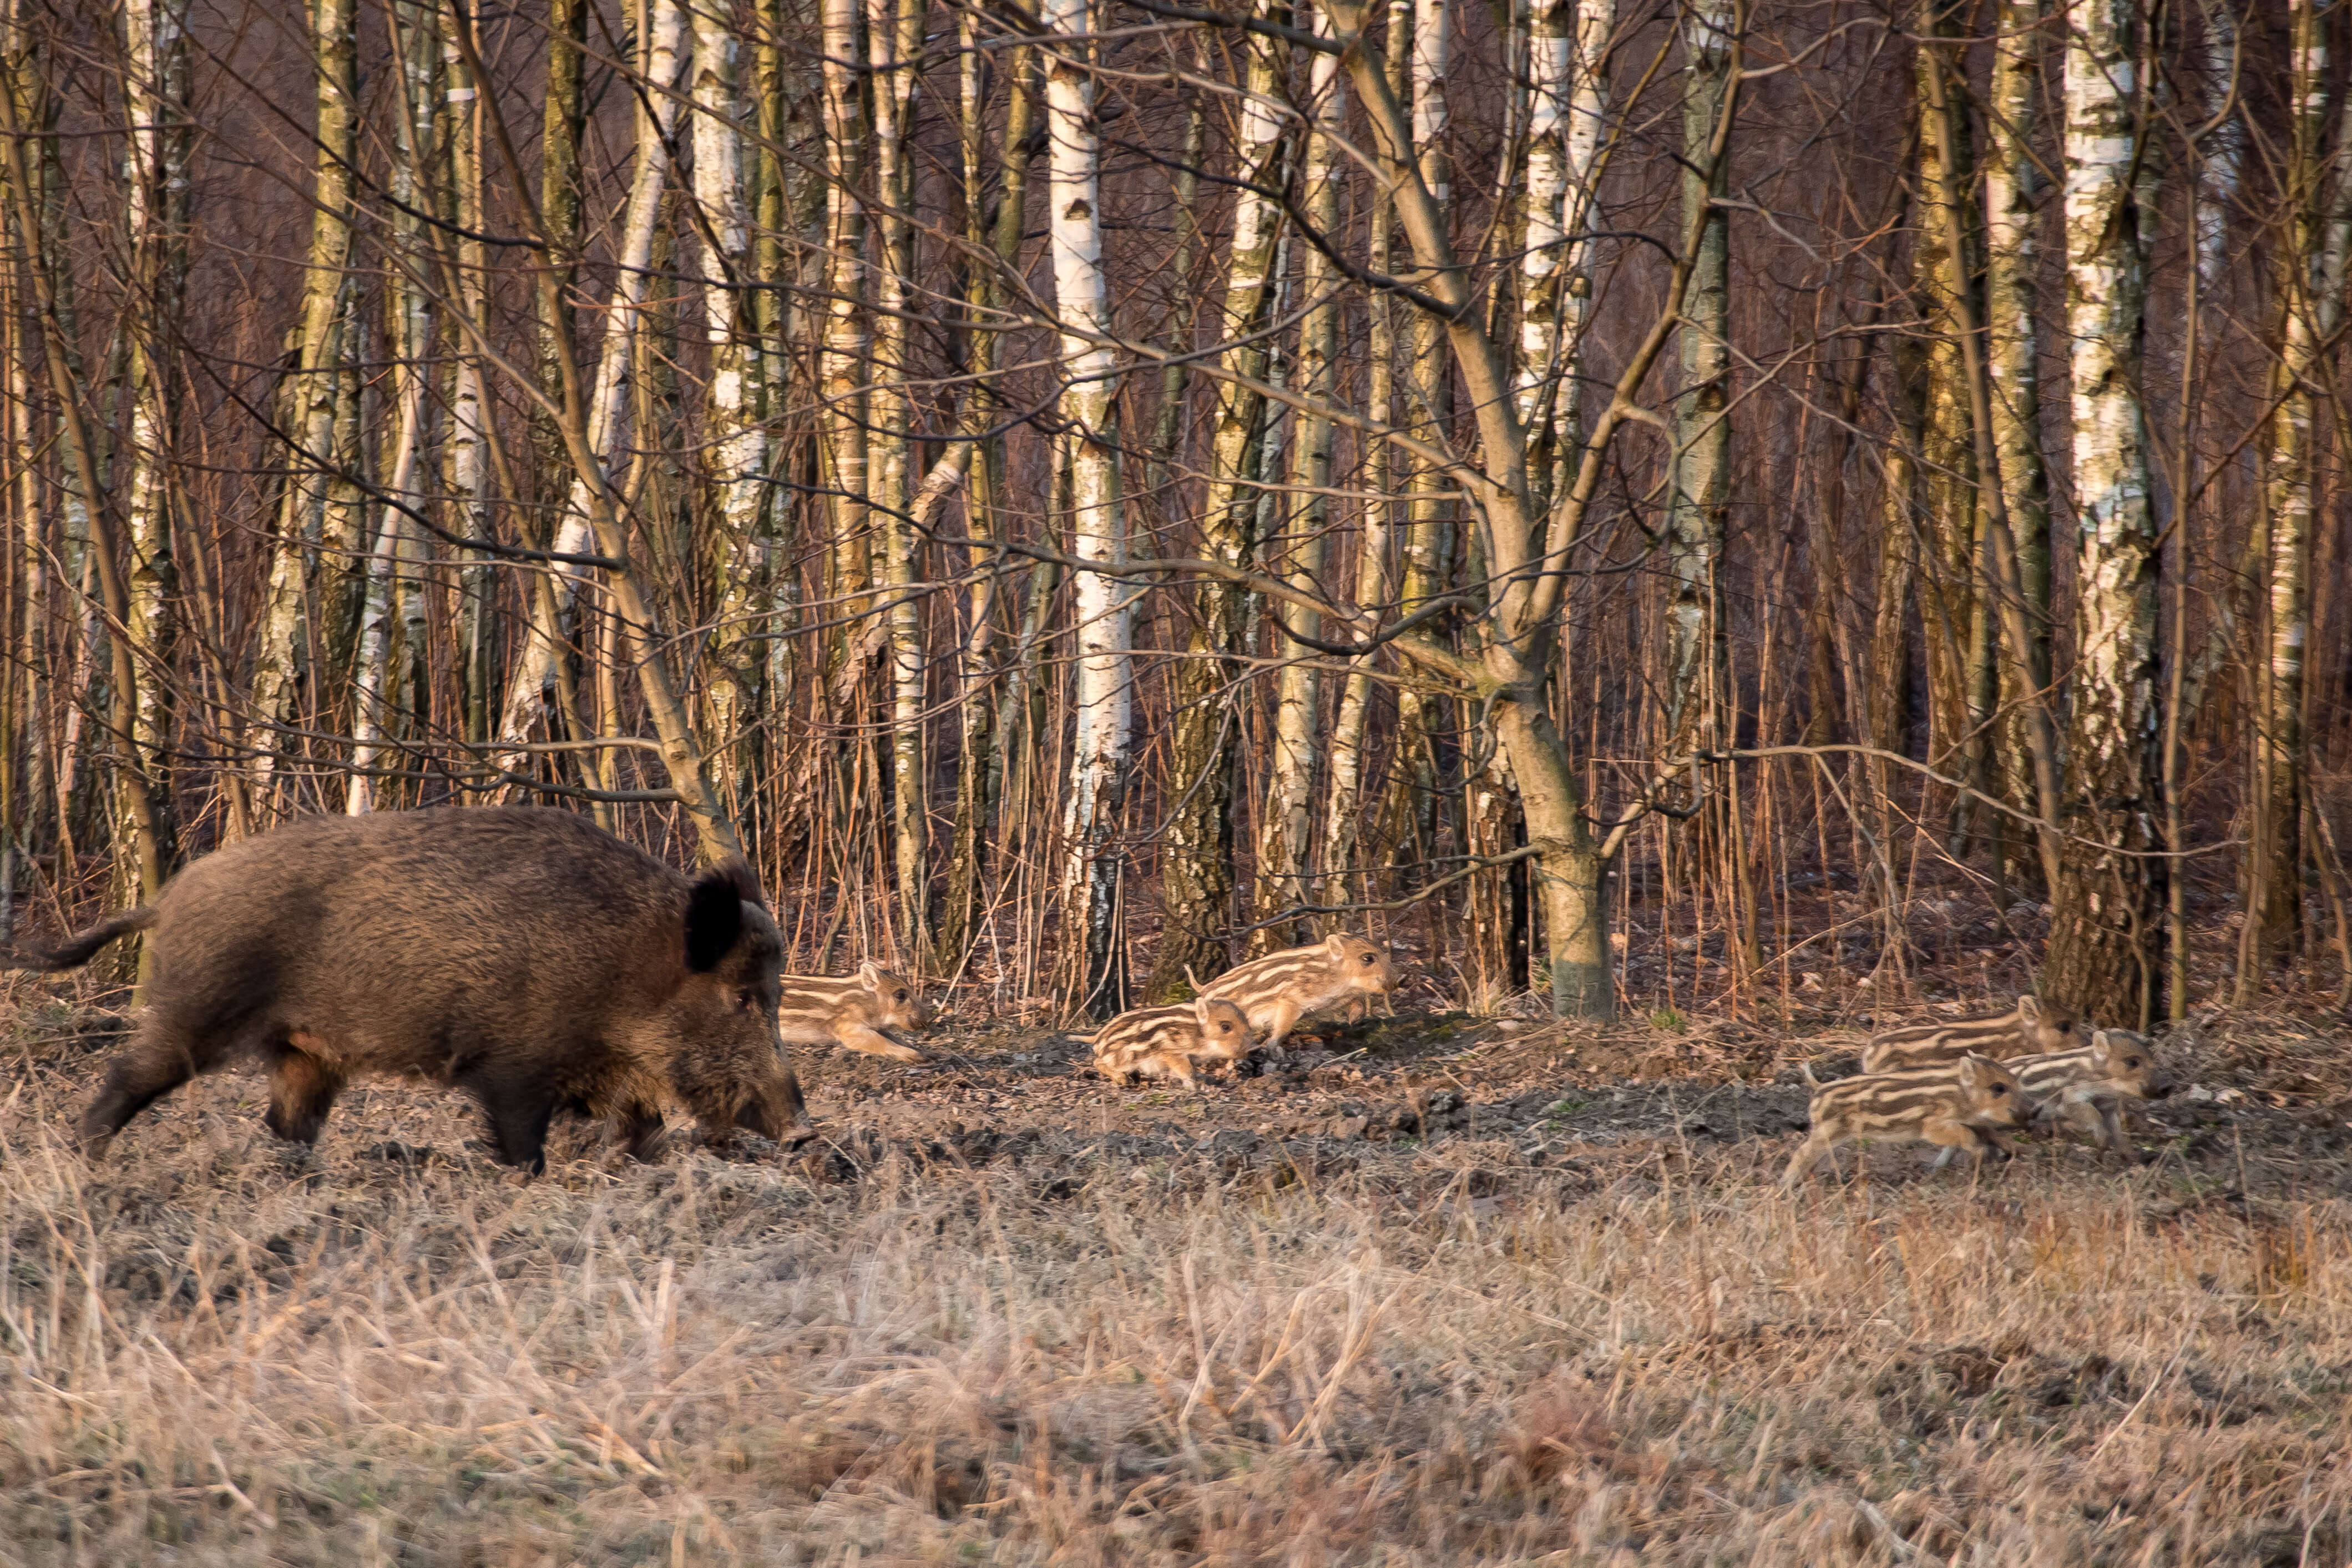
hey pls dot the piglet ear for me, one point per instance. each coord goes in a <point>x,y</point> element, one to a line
<point>1973,1071</point>
<point>2028,1007</point>
<point>714,915</point>
<point>1336,944</point>
<point>869,974</point>
<point>2100,1043</point>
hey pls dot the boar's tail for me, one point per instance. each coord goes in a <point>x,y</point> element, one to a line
<point>82,946</point>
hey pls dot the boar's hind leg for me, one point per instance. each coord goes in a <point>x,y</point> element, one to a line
<point>302,1090</point>
<point>164,1056</point>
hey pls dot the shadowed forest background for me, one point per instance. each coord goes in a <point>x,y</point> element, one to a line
<point>1664,507</point>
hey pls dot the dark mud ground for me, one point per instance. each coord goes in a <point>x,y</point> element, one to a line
<point>2263,1108</point>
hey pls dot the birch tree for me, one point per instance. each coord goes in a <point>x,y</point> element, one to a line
<point>1100,607</point>
<point>895,36</point>
<point>734,444</point>
<point>842,362</point>
<point>534,671</point>
<point>155,181</point>
<point>1286,821</point>
<point>2012,200</point>
<point>310,407</point>
<point>2274,860</point>
<point>2103,957</point>
<point>1701,481</point>
<point>1196,853</point>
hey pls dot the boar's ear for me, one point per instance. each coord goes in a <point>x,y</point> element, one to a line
<point>1336,944</point>
<point>714,919</point>
<point>2028,1007</point>
<point>1972,1074</point>
<point>2100,1043</point>
<point>869,974</point>
<point>742,879</point>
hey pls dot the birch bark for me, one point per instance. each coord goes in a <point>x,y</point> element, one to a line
<point>1196,853</point>
<point>2012,267</point>
<point>1100,604</point>
<point>1288,820</point>
<point>735,444</point>
<point>2274,860</point>
<point>155,90</point>
<point>533,676</point>
<point>2103,958</point>
<point>311,406</point>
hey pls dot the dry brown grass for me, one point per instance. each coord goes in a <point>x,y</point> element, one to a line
<point>211,1352</point>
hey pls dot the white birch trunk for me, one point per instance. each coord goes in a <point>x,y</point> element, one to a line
<point>534,673</point>
<point>310,408</point>
<point>373,681</point>
<point>2273,862</point>
<point>155,181</point>
<point>465,451</point>
<point>1550,53</point>
<point>2101,956</point>
<point>1286,823</point>
<point>2223,164</point>
<point>894,41</point>
<point>737,445</point>
<point>1588,109</point>
<point>842,362</point>
<point>1098,756</point>
<point>1702,467</point>
<point>2013,265</point>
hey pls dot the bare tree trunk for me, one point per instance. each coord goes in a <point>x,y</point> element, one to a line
<point>1196,848</point>
<point>2103,957</point>
<point>74,437</point>
<point>893,40</point>
<point>312,406</point>
<point>1342,816</point>
<point>2012,267</point>
<point>982,742</point>
<point>842,364</point>
<point>155,181</point>
<point>1286,823</point>
<point>735,449</point>
<point>2223,165</point>
<point>1101,606</point>
<point>1416,780</point>
<point>2274,859</point>
<point>1701,493</point>
<point>465,448</point>
<point>533,676</point>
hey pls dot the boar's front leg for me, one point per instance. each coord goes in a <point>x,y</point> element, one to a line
<point>518,1115</point>
<point>642,1132</point>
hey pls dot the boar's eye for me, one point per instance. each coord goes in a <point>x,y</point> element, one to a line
<point>2131,1061</point>
<point>1368,958</point>
<point>2000,1088</point>
<point>747,1000</point>
<point>902,995</point>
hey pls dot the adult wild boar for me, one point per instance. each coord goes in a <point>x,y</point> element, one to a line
<point>523,956</point>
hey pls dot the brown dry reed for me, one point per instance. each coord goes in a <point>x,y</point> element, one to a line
<point>216,1352</point>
